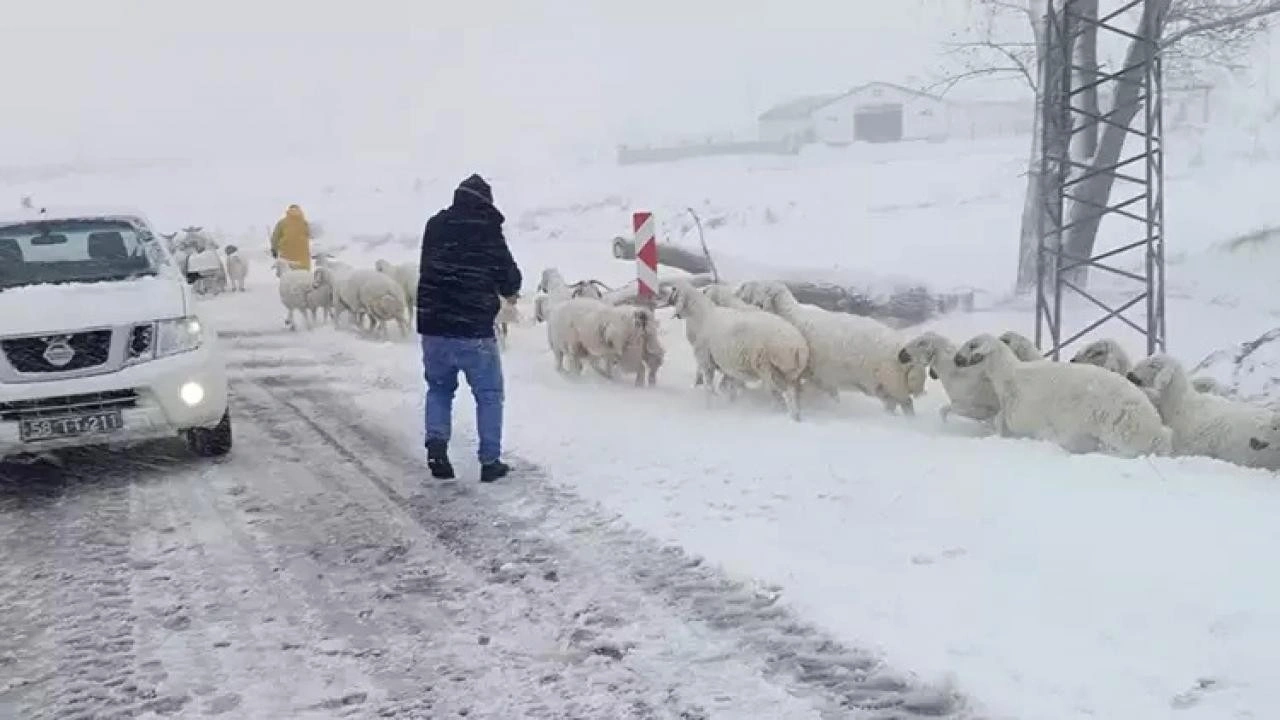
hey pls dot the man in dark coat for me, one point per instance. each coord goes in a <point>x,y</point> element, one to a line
<point>465,266</point>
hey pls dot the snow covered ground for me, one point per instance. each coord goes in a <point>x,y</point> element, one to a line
<point>1036,584</point>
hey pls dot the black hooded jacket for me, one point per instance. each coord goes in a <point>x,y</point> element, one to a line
<point>465,266</point>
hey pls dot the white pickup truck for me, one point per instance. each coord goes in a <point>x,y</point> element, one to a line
<point>100,343</point>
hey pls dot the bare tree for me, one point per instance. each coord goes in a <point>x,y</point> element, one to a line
<point>1194,34</point>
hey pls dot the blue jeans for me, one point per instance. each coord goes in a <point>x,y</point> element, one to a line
<point>480,361</point>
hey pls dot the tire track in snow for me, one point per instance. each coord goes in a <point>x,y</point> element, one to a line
<point>520,528</point>
<point>81,571</point>
<point>507,645</point>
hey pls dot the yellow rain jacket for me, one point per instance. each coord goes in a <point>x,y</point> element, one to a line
<point>291,238</point>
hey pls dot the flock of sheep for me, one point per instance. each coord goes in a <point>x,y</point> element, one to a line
<point>386,293</point>
<point>758,334</point>
<point>212,269</point>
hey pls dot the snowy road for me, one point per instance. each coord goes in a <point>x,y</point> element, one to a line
<point>316,574</point>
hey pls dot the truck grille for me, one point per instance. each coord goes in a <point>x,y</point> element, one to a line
<point>27,354</point>
<point>68,405</point>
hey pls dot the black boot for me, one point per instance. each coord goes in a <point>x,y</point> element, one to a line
<point>493,471</point>
<point>438,460</point>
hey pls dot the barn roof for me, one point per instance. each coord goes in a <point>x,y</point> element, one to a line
<point>801,107</point>
<point>895,86</point>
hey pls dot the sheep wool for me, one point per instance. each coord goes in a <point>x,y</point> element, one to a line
<point>846,351</point>
<point>745,345</point>
<point>970,392</point>
<point>1106,354</point>
<point>1082,408</point>
<point>293,287</point>
<point>1207,424</point>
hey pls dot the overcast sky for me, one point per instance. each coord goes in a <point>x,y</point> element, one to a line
<point>185,78</point>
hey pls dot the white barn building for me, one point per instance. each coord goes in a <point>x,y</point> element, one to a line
<point>881,112</point>
<point>885,112</point>
<point>792,120</point>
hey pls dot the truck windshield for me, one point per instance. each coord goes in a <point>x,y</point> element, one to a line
<point>68,251</point>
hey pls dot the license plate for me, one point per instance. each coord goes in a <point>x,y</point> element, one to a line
<point>97,423</point>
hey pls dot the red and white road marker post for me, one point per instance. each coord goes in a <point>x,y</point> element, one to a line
<point>646,240</point>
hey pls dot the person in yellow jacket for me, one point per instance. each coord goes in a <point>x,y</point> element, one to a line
<point>291,238</point>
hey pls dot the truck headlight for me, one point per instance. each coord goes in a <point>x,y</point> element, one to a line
<point>178,336</point>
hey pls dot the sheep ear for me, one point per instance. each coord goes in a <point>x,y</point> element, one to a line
<point>1163,378</point>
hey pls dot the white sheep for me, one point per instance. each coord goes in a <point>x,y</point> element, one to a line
<point>610,336</point>
<point>970,392</point>
<point>846,351</point>
<point>1106,354</point>
<point>377,295</point>
<point>323,295</point>
<point>406,275</point>
<point>624,337</point>
<point>344,298</point>
<point>744,345</point>
<point>724,296</point>
<point>1022,346</point>
<point>1082,408</point>
<point>294,285</point>
<point>1209,385</point>
<point>1207,424</point>
<point>553,290</point>
<point>508,314</point>
<point>237,268</point>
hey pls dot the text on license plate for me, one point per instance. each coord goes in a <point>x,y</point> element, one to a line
<point>97,423</point>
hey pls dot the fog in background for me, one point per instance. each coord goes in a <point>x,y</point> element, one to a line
<point>110,79</point>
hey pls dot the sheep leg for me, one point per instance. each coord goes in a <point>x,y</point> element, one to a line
<point>288,320</point>
<point>558,357</point>
<point>575,362</point>
<point>791,398</point>
<point>604,366</point>
<point>908,407</point>
<point>709,375</point>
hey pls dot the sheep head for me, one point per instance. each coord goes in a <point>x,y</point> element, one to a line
<point>1106,354</point>
<point>322,277</point>
<point>682,297</point>
<point>590,289</point>
<point>1209,385</point>
<point>281,266</point>
<point>551,280</point>
<point>1021,345</point>
<point>1158,374</point>
<point>774,297</point>
<point>1272,431</point>
<point>382,266</point>
<point>750,292</point>
<point>923,349</point>
<point>979,350</point>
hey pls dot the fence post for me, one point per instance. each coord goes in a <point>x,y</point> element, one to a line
<point>646,243</point>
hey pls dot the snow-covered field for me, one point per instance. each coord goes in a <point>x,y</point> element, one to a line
<point>1037,584</point>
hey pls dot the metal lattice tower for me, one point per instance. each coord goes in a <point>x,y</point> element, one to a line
<point>1136,177</point>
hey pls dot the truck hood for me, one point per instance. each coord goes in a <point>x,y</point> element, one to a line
<point>38,309</point>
